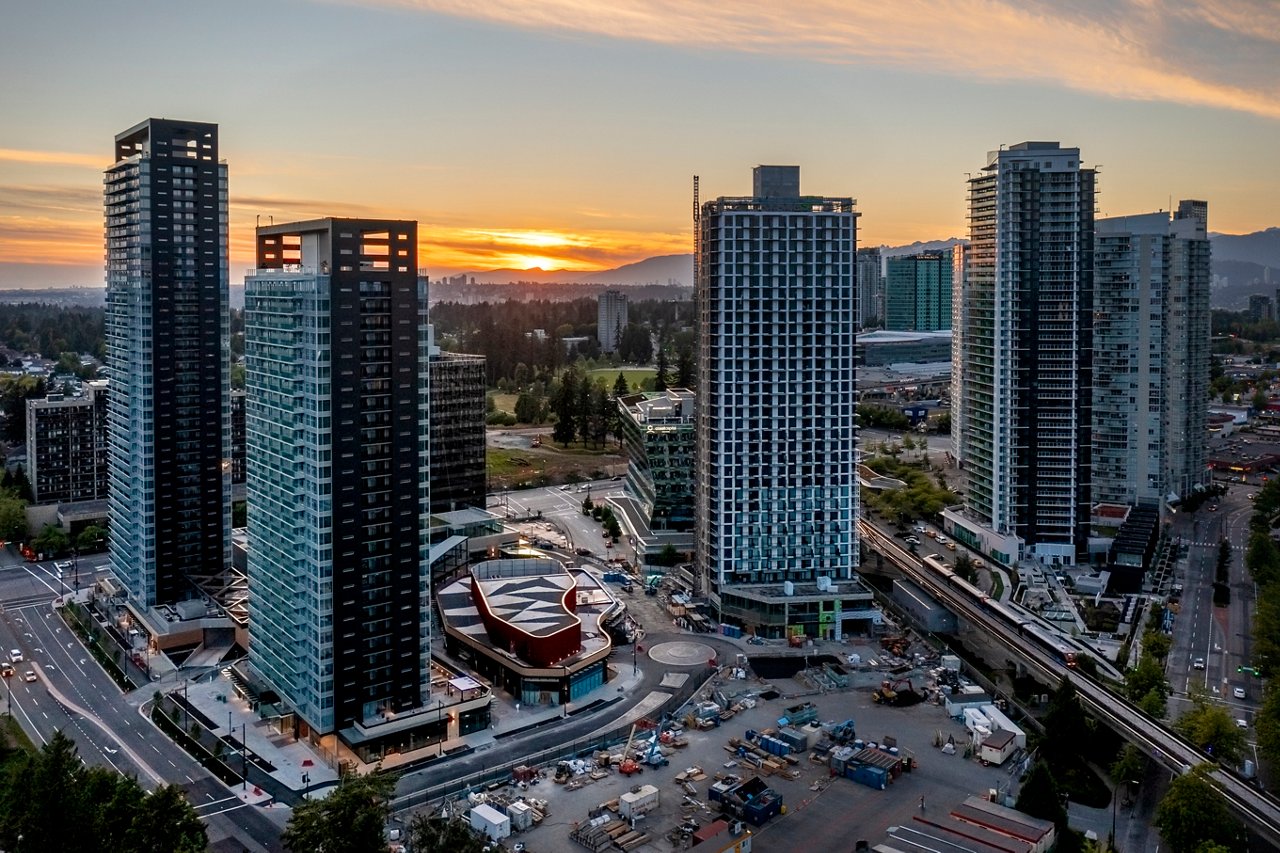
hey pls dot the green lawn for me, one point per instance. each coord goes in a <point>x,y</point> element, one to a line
<point>504,402</point>
<point>634,375</point>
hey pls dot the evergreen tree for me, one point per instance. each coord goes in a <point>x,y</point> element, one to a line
<point>565,406</point>
<point>351,819</point>
<point>1192,812</point>
<point>661,381</point>
<point>1039,796</point>
<point>620,386</point>
<point>684,368</point>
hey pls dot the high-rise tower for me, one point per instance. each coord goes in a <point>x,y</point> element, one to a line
<point>917,295</point>
<point>1027,350</point>
<point>776,491</point>
<point>336,357</point>
<point>167,335</point>
<point>1151,355</point>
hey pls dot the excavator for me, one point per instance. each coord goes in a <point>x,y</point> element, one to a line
<point>898,693</point>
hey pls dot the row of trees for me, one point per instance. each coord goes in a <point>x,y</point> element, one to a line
<point>51,800</point>
<point>1262,559</point>
<point>51,330</point>
<point>352,819</point>
<point>584,409</point>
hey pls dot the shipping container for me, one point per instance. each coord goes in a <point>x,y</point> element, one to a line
<point>865,774</point>
<point>490,822</point>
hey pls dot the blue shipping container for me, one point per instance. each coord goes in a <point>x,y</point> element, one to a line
<point>865,774</point>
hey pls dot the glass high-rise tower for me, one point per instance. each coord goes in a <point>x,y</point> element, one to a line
<point>1027,353</point>
<point>167,336</point>
<point>1151,345</point>
<point>776,492</point>
<point>337,429</point>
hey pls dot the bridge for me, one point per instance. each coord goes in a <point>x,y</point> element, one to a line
<point>1260,811</point>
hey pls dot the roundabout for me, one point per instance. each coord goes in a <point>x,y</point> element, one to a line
<point>681,653</point>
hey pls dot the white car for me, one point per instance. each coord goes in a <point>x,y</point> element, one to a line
<point>1198,664</point>
<point>1242,724</point>
<point>919,528</point>
<point>15,655</point>
<point>942,540</point>
<point>911,540</point>
<point>1238,692</point>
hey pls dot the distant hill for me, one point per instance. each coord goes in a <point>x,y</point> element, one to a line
<point>920,246</point>
<point>1248,263</point>
<point>663,270</point>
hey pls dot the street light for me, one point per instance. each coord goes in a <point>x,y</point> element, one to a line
<point>1115,791</point>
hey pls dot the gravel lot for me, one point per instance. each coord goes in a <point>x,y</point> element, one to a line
<point>830,818</point>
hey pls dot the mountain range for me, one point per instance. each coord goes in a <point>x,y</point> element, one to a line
<point>1245,264</point>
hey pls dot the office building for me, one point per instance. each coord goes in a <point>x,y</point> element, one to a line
<point>457,431</point>
<point>870,288</point>
<point>336,373</point>
<point>611,319</point>
<point>1151,356</point>
<point>659,434</point>
<point>67,446</point>
<point>167,337</point>
<point>1027,350</point>
<point>776,493</point>
<point>917,294</point>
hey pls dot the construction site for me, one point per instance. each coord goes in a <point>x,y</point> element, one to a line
<point>778,752</point>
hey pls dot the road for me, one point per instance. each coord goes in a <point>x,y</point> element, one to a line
<point>1217,638</point>
<point>65,666</point>
<point>561,507</point>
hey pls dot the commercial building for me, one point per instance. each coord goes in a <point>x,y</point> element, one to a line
<point>1028,356</point>
<point>1261,308</point>
<point>611,319</point>
<point>532,626</point>
<point>882,348</point>
<point>67,446</point>
<point>336,370</point>
<point>871,288</point>
<point>659,433</point>
<point>457,431</point>
<point>776,492</point>
<point>918,292</point>
<point>167,337</point>
<point>1151,356</point>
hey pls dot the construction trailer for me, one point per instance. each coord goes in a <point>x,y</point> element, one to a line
<point>490,822</point>
<point>997,747</point>
<point>639,801</point>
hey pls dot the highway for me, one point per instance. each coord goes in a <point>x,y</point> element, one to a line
<point>1260,811</point>
<point>74,695</point>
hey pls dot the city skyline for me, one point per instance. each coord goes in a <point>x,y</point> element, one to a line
<point>564,134</point>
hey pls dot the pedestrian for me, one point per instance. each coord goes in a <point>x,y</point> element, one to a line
<point>922,804</point>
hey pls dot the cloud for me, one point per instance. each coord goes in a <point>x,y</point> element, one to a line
<point>1127,49</point>
<point>53,158</point>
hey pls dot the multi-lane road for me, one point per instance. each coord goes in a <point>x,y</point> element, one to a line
<point>72,694</point>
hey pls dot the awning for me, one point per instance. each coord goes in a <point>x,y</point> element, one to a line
<point>465,682</point>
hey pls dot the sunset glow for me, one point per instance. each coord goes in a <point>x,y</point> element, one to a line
<point>573,144</point>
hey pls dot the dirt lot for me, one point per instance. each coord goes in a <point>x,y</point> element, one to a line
<point>824,814</point>
<point>549,465</point>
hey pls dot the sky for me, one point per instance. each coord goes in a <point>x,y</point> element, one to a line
<point>566,133</point>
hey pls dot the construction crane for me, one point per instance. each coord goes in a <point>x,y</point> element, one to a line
<point>629,765</point>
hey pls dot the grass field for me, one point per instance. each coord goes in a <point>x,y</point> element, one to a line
<point>505,403</point>
<point>634,375</point>
<point>546,466</point>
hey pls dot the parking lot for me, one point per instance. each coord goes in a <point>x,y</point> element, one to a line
<point>822,812</point>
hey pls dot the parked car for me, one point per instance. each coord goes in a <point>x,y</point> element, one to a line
<point>912,540</point>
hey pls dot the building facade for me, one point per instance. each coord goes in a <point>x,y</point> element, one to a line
<point>776,492</point>
<point>659,433</point>
<point>67,446</point>
<point>959,253</point>
<point>167,336</point>
<point>1028,377</point>
<point>1151,356</point>
<point>457,431</point>
<point>917,294</point>
<point>336,374</point>
<point>237,436</point>
<point>871,288</point>
<point>611,319</point>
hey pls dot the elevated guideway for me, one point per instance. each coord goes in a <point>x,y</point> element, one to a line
<point>1259,810</point>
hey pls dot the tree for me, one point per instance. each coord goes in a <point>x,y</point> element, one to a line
<point>51,541</point>
<point>620,387</point>
<point>165,823</point>
<point>1267,723</point>
<point>1193,812</point>
<point>351,819</point>
<point>1211,728</point>
<point>1039,796</point>
<point>685,377</point>
<point>668,556</point>
<point>13,517</point>
<point>661,381</point>
<point>565,406</point>
<point>1130,765</point>
<point>1066,727</point>
<point>529,408</point>
<point>92,539</point>
<point>16,481</point>
<point>1157,644</point>
<point>1262,558</point>
<point>436,835</point>
<point>964,567</point>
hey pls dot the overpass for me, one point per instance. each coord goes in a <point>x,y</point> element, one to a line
<point>1260,811</point>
